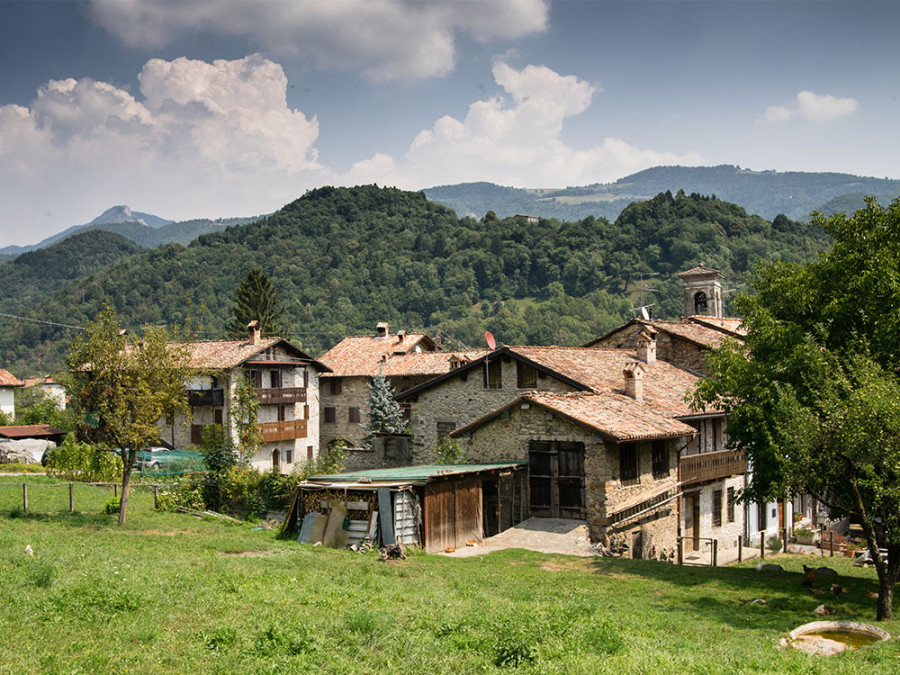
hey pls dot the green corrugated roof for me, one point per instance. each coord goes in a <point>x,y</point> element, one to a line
<point>421,472</point>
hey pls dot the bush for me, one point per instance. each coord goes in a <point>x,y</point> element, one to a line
<point>330,461</point>
<point>113,506</point>
<point>74,460</point>
<point>774,543</point>
<point>448,451</point>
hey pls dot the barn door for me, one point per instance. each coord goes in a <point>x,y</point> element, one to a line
<point>556,479</point>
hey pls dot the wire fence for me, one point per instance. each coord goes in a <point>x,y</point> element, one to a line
<point>61,497</point>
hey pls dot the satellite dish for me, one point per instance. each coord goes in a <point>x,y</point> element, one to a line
<point>489,338</point>
<point>645,313</point>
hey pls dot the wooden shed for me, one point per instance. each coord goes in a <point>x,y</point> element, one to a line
<point>433,505</point>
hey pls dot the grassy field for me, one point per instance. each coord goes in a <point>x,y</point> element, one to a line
<point>172,593</point>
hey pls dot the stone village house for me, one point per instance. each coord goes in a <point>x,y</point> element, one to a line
<point>286,381</point>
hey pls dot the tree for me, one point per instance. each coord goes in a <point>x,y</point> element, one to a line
<point>122,386</point>
<point>245,415</point>
<point>256,299</point>
<point>383,412</point>
<point>813,394</point>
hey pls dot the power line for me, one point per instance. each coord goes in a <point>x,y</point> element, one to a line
<point>48,323</point>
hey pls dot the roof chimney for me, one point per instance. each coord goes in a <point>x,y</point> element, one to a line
<point>634,380</point>
<point>400,335</point>
<point>646,347</point>
<point>255,334</point>
<point>382,329</point>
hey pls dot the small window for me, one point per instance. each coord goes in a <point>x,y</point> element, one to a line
<point>309,452</point>
<point>444,427</point>
<point>493,375</point>
<point>306,412</point>
<point>729,507</point>
<point>628,463</point>
<point>330,415</point>
<point>217,415</point>
<point>660,459</point>
<point>353,415</point>
<point>305,378</point>
<point>336,386</point>
<point>275,379</point>
<point>526,376</point>
<point>282,413</point>
<point>255,377</point>
<point>716,434</point>
<point>288,456</point>
<point>717,508</point>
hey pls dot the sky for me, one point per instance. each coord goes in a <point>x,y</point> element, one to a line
<point>234,108</point>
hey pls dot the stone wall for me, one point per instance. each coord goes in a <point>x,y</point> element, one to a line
<point>459,401</point>
<point>727,533</point>
<point>668,347</point>
<point>605,494</point>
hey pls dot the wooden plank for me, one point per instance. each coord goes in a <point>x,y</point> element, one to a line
<point>385,513</point>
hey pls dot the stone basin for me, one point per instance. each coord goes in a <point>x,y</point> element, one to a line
<point>826,638</point>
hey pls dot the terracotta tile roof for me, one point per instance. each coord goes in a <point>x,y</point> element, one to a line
<point>701,330</point>
<point>613,415</point>
<point>700,269</point>
<point>364,356</point>
<point>30,431</point>
<point>600,370</point>
<point>224,354</point>
<point>7,379</point>
<point>731,325</point>
<point>427,363</point>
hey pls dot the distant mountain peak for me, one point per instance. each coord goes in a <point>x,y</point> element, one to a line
<point>124,214</point>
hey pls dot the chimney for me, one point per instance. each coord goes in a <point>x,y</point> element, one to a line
<point>634,380</point>
<point>646,347</point>
<point>254,332</point>
<point>382,329</point>
<point>400,335</point>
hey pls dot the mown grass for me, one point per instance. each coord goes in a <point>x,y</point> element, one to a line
<point>172,593</point>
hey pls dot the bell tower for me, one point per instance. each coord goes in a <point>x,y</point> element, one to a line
<point>703,292</point>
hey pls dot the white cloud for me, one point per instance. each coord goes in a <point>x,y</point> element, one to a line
<point>208,139</point>
<point>812,107</point>
<point>382,39</point>
<point>514,142</point>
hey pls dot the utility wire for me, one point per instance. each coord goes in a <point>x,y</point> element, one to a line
<point>49,323</point>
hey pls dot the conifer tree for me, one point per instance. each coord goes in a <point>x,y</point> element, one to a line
<point>384,412</point>
<point>256,299</point>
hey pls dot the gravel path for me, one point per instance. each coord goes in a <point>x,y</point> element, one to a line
<point>547,535</point>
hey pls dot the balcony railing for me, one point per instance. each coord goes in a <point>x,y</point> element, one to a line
<point>711,465</point>
<point>283,431</point>
<point>281,395</point>
<point>214,397</point>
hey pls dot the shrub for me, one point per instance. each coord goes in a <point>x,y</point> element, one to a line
<point>74,460</point>
<point>112,506</point>
<point>330,461</point>
<point>515,647</point>
<point>448,451</point>
<point>774,543</point>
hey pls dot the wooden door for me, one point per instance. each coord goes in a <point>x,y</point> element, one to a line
<point>691,522</point>
<point>556,479</point>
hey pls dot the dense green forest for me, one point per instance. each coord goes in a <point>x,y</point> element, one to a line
<point>344,258</point>
<point>766,193</point>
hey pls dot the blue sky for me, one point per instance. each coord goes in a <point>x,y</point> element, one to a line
<point>234,108</point>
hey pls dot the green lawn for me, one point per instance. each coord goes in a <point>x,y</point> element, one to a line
<point>172,593</point>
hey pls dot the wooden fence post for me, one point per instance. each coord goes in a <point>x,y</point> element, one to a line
<point>115,489</point>
<point>71,497</point>
<point>740,549</point>
<point>762,544</point>
<point>822,539</point>
<point>155,496</point>
<point>25,497</point>
<point>784,533</point>
<point>715,552</point>
<point>831,543</point>
<point>680,551</point>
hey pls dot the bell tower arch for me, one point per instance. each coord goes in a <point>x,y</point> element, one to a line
<point>703,292</point>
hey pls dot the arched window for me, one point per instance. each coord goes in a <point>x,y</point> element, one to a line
<point>700,303</point>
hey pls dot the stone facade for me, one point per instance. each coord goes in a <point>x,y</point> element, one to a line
<point>507,437</point>
<point>669,347</point>
<point>463,399</point>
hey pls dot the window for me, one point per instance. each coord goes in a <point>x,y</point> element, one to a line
<point>217,415</point>
<point>255,377</point>
<point>309,452</point>
<point>660,459</point>
<point>288,456</point>
<point>336,386</point>
<point>493,375</point>
<point>306,412</point>
<point>628,463</point>
<point>275,379</point>
<point>716,431</point>
<point>330,415</point>
<point>717,508</point>
<point>761,517</point>
<point>444,427</point>
<point>730,505</point>
<point>305,378</point>
<point>353,415</point>
<point>526,376</point>
<point>282,413</point>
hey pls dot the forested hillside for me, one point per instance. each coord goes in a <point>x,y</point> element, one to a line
<point>344,258</point>
<point>766,193</point>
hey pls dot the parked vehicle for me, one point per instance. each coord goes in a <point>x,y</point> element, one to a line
<point>163,459</point>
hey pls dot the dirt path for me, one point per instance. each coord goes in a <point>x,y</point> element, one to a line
<point>547,535</point>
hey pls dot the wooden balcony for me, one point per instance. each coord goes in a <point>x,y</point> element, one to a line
<point>273,432</point>
<point>212,397</point>
<point>281,395</point>
<point>711,466</point>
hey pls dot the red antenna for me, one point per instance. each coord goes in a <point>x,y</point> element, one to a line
<point>489,338</point>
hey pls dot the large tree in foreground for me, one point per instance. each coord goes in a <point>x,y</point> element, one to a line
<point>121,386</point>
<point>813,395</point>
<point>256,299</point>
